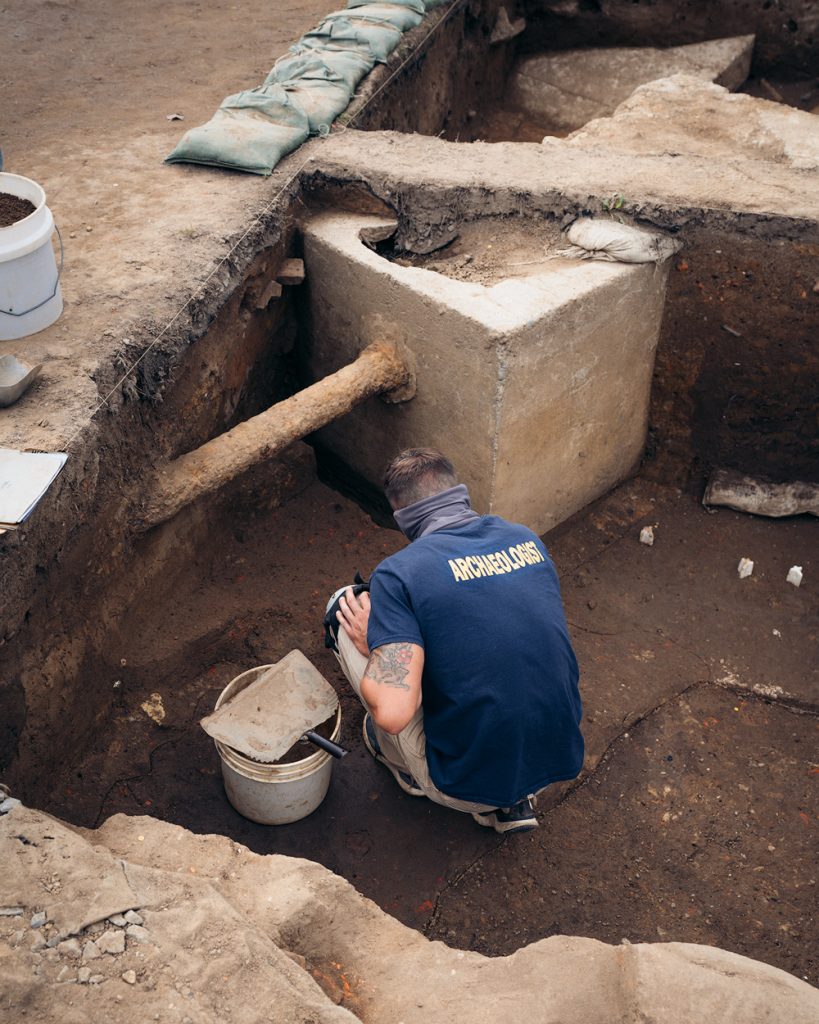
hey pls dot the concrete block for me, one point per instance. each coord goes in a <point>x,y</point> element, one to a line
<point>536,387</point>
<point>688,117</point>
<point>567,89</point>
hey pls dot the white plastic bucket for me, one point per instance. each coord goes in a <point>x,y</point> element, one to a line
<point>30,296</point>
<point>273,794</point>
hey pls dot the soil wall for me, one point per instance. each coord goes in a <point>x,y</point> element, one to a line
<point>736,381</point>
<point>456,70</point>
<point>787,31</point>
<point>82,561</point>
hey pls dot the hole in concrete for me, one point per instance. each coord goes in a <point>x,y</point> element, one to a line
<point>489,251</point>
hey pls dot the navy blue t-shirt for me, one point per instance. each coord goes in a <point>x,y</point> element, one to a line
<point>500,698</point>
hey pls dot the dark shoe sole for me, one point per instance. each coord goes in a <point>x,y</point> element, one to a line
<point>411,788</point>
<point>490,820</point>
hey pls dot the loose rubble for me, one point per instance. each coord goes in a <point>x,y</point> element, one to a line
<point>113,942</point>
<point>226,910</point>
<point>68,957</point>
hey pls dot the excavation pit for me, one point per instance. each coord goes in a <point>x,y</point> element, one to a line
<point>698,711</point>
<point>694,818</point>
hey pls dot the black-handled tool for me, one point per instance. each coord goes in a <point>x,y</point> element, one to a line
<point>328,745</point>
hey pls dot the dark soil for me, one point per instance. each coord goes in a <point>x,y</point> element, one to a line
<point>695,817</point>
<point>802,93</point>
<point>736,380</point>
<point>13,208</point>
<point>704,828</point>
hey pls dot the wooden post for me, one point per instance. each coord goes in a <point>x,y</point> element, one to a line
<point>379,368</point>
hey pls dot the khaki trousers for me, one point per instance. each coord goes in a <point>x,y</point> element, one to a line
<point>407,750</point>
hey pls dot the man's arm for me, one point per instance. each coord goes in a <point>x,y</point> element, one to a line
<point>391,686</point>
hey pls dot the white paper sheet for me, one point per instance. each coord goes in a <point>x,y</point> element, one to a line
<point>24,479</point>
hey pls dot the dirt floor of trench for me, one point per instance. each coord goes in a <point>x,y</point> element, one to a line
<point>695,816</point>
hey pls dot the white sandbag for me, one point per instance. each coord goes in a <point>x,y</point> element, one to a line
<point>601,238</point>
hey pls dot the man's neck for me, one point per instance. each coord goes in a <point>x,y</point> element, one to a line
<point>440,511</point>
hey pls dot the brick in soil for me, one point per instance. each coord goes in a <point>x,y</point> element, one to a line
<point>13,208</point>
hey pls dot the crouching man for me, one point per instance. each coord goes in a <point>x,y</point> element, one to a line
<point>461,655</point>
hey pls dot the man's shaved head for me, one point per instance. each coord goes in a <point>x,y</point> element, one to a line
<point>415,474</point>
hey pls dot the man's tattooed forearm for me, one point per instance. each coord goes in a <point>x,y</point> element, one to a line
<point>390,665</point>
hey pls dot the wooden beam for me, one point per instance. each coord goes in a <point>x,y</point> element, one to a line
<point>378,369</point>
<point>291,272</point>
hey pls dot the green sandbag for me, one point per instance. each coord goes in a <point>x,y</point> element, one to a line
<point>338,65</point>
<point>343,34</point>
<point>305,91</point>
<point>402,18</point>
<point>322,102</point>
<point>251,131</point>
<point>316,89</point>
<point>412,5</point>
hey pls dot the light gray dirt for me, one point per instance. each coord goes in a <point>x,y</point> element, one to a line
<point>85,104</point>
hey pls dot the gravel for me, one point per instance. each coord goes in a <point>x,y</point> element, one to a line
<point>90,951</point>
<point>112,941</point>
<point>137,933</point>
<point>71,947</point>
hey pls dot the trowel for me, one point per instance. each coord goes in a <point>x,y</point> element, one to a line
<point>281,707</point>
<point>15,378</point>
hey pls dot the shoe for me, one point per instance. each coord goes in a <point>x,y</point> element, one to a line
<point>520,818</point>
<point>404,780</point>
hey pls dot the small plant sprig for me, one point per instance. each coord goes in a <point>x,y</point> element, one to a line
<point>612,204</point>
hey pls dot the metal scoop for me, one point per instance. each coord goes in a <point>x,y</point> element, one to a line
<point>279,708</point>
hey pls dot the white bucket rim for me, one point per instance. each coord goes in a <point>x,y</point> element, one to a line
<point>240,762</point>
<point>276,772</point>
<point>33,231</point>
<point>39,194</point>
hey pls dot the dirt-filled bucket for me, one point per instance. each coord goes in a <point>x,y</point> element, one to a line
<point>273,794</point>
<point>30,296</point>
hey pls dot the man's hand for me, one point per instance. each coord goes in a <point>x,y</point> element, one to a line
<point>353,615</point>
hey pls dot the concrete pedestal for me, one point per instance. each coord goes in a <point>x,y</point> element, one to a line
<point>537,387</point>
